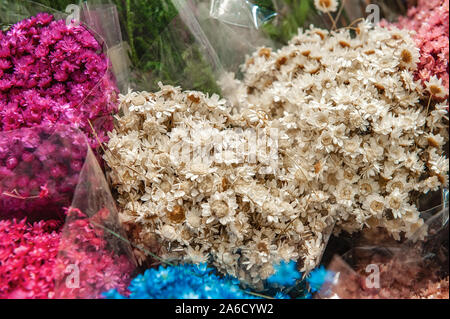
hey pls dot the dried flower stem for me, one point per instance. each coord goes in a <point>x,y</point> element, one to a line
<point>339,14</point>
<point>332,20</point>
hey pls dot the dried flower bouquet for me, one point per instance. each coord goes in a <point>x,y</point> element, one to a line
<point>356,139</point>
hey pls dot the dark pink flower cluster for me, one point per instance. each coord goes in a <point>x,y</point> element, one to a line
<point>430,21</point>
<point>35,258</point>
<point>53,73</point>
<point>54,83</point>
<point>39,170</point>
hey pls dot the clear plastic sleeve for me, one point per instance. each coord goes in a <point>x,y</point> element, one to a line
<point>104,19</point>
<point>39,170</point>
<point>94,254</point>
<point>412,269</point>
<point>204,40</point>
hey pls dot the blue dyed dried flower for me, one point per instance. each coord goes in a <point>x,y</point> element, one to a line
<point>318,277</point>
<point>182,282</point>
<point>286,274</point>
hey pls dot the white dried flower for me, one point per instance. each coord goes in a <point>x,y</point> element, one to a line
<point>435,87</point>
<point>357,123</point>
<point>353,141</point>
<point>326,5</point>
<point>180,172</point>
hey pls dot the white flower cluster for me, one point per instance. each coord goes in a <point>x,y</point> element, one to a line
<point>363,135</point>
<point>231,213</point>
<point>354,144</point>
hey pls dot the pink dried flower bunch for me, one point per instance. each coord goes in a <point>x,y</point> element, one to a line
<point>33,262</point>
<point>28,258</point>
<point>102,266</point>
<point>39,169</point>
<point>54,73</point>
<point>430,21</point>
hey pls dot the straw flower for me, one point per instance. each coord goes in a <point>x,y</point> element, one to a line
<point>326,5</point>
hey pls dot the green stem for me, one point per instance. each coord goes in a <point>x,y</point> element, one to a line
<point>130,31</point>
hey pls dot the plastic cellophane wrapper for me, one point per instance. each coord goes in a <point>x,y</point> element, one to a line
<point>204,39</point>
<point>103,18</point>
<point>37,151</point>
<point>204,44</point>
<point>52,189</point>
<point>39,170</point>
<point>58,197</point>
<point>377,268</point>
<point>94,255</point>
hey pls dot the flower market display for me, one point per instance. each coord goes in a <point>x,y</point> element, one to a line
<point>258,150</point>
<point>351,154</point>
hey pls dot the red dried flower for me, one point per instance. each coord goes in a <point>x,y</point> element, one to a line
<point>35,259</point>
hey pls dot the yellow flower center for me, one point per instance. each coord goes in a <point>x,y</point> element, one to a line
<point>220,208</point>
<point>325,3</point>
<point>395,203</point>
<point>406,56</point>
<point>177,215</point>
<point>435,90</point>
<point>377,206</point>
<point>366,188</point>
<point>398,185</point>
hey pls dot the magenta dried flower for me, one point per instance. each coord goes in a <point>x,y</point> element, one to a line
<point>101,265</point>
<point>39,170</point>
<point>51,73</point>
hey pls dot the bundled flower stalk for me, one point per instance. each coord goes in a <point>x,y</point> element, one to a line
<point>355,143</point>
<point>429,20</point>
<point>177,197</point>
<point>35,259</point>
<point>365,138</point>
<point>53,73</point>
